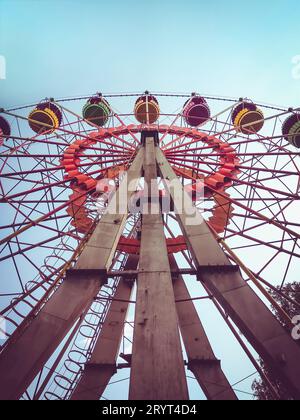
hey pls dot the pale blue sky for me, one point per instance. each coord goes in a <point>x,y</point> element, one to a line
<point>63,48</point>
<point>68,47</point>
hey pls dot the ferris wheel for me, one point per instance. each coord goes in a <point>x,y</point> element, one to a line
<point>62,161</point>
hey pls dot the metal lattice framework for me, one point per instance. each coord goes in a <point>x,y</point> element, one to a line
<point>55,190</point>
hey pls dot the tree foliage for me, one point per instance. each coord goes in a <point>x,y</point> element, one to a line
<point>291,307</point>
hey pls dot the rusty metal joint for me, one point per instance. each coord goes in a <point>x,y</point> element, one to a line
<point>89,272</point>
<point>213,269</point>
<point>203,362</point>
<point>94,365</point>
